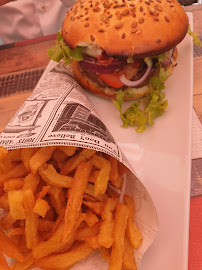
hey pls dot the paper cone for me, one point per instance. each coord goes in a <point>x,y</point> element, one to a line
<point>59,113</point>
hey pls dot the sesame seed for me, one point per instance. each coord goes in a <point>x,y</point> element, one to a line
<point>134,24</point>
<point>166,18</point>
<point>118,25</point>
<point>92,37</point>
<point>106,4</point>
<point>104,18</point>
<point>96,9</point>
<point>146,2</point>
<point>141,20</point>
<point>141,9</point>
<point>158,41</point>
<point>152,10</point>
<point>123,36</point>
<point>125,12</point>
<point>101,30</point>
<point>156,19</point>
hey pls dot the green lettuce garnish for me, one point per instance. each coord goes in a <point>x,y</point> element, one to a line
<point>142,112</point>
<point>194,35</point>
<point>154,106</point>
<point>61,51</point>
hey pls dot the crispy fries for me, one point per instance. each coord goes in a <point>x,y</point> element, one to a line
<point>120,222</point>
<point>49,174</point>
<point>61,204</point>
<point>105,237</point>
<point>76,197</point>
<point>133,232</point>
<point>103,176</point>
<point>3,262</point>
<point>9,248</point>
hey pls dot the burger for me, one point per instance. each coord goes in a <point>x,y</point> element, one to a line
<point>121,46</point>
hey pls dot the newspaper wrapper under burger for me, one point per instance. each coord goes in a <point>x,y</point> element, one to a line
<point>59,113</point>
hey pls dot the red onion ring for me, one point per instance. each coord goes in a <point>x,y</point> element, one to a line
<point>141,80</point>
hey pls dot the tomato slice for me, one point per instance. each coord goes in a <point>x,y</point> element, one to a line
<point>113,79</point>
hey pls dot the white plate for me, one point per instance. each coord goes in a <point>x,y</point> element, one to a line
<point>161,157</point>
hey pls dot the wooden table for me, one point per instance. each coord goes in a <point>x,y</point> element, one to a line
<point>22,64</point>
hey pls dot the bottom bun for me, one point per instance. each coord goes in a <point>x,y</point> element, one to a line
<point>104,92</point>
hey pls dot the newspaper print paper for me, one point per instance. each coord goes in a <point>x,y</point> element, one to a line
<point>59,113</point>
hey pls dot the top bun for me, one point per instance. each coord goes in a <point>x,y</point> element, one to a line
<point>122,28</point>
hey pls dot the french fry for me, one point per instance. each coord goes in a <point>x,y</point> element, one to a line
<point>105,237</point>
<point>13,184</point>
<point>74,161</point>
<point>18,171</point>
<point>76,197</point>
<point>41,207</point>
<point>122,168</point>
<point>3,153</point>
<point>101,181</point>
<point>92,241</point>
<point>52,177</point>
<point>7,221</point>
<point>96,207</point>
<point>58,198</point>
<point>120,222</point>
<point>31,221</point>
<point>91,218</point>
<point>43,192</point>
<point>93,176</point>
<point>15,154</point>
<point>114,169</point>
<point>119,183</point>
<point>90,190</point>
<point>3,262</point>
<point>68,150</point>
<point>26,264</point>
<point>31,182</point>
<point>105,253</point>
<point>16,206</point>
<point>7,246</point>
<point>59,156</point>
<point>112,193</point>
<point>26,154</point>
<point>1,190</point>
<point>16,231</point>
<point>66,259</point>
<point>90,198</point>
<point>128,255</point>
<point>45,225</point>
<point>40,157</point>
<point>4,201</point>
<point>54,244</point>
<point>132,231</point>
<point>88,231</point>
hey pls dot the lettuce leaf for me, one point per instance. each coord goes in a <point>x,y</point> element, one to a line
<point>154,106</point>
<point>61,51</point>
<point>142,112</point>
<point>194,35</point>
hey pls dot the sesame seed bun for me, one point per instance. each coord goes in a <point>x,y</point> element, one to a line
<point>126,27</point>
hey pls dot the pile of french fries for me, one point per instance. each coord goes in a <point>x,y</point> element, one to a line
<point>60,204</point>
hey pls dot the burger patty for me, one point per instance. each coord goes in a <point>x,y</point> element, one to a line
<point>142,69</point>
